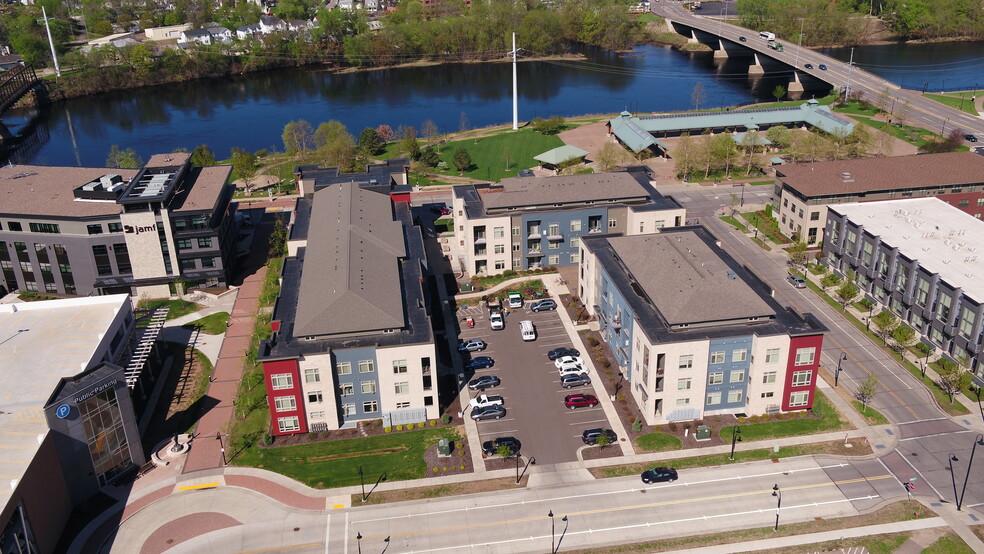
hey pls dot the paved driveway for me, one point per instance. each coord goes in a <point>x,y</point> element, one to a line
<point>534,399</point>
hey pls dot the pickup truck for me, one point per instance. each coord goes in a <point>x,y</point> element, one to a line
<point>483,400</point>
<point>496,320</point>
<point>776,46</point>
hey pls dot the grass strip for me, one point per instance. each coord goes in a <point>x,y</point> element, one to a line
<point>871,415</point>
<point>658,442</point>
<point>961,102</point>
<point>828,420</point>
<point>734,222</point>
<point>439,491</point>
<point>214,324</point>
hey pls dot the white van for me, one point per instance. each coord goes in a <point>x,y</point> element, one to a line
<point>767,35</point>
<point>528,330</point>
<point>515,300</point>
<point>496,321</point>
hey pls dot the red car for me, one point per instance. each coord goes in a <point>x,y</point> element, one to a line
<point>573,401</point>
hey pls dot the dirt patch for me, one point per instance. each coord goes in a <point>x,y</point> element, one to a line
<point>354,454</point>
<point>598,453</point>
<point>978,530</point>
<point>458,462</point>
<point>363,429</point>
<point>184,386</point>
<point>438,491</point>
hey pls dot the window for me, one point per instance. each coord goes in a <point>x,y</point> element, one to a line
<point>498,232</point>
<point>285,403</point>
<point>208,262</point>
<point>713,398</point>
<point>980,202</point>
<point>317,415</point>
<point>515,231</point>
<point>739,355</point>
<point>943,308</point>
<point>499,264</point>
<point>802,378</point>
<point>805,356</point>
<point>287,424</point>
<point>500,248</point>
<point>44,228</point>
<point>366,366</point>
<point>575,257</point>
<point>115,227</point>
<point>402,405</point>
<point>94,229</point>
<point>717,357</point>
<point>768,377</point>
<point>31,286</point>
<point>715,378</point>
<point>659,224</point>
<point>553,245</point>
<point>734,396</point>
<point>682,401</point>
<point>684,384</point>
<point>348,409</point>
<point>768,394</point>
<point>188,264</point>
<point>368,387</point>
<point>814,216</point>
<point>967,323</point>
<point>922,291</point>
<point>14,226</point>
<point>785,202</point>
<point>575,225</point>
<point>402,387</point>
<point>642,227</point>
<point>314,397</point>
<point>26,267</point>
<point>184,244</point>
<point>772,355</point>
<point>205,242</point>
<point>963,203</point>
<point>553,229</point>
<point>370,407</point>
<point>612,223</point>
<point>346,389</point>
<point>399,366</point>
<point>575,242</point>
<point>344,368</point>
<point>312,375</point>
<point>553,259</point>
<point>686,361</point>
<point>101,256</point>
<point>799,398</point>
<point>282,381</point>
<point>737,376</point>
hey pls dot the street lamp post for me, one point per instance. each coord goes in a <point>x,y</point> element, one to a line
<point>363,482</point>
<point>778,494</point>
<point>735,438</point>
<point>837,372</point>
<point>979,405</point>
<point>867,325</point>
<point>979,440</point>
<point>943,128</point>
<point>526,467</point>
<point>358,539</point>
<point>799,46</point>
<point>552,536</point>
<point>218,436</point>
<point>953,479</point>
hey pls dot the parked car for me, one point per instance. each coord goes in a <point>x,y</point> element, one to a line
<point>971,138</point>
<point>743,39</point>
<point>573,401</point>
<point>822,67</point>
<point>562,351</point>
<point>590,436</point>
<point>570,380</point>
<point>496,321</point>
<point>514,300</point>
<point>543,305</point>
<point>559,362</point>
<point>484,382</point>
<point>484,400</point>
<point>808,65</point>
<point>569,369</point>
<point>488,412</point>
<point>491,448</point>
<point>659,475</point>
<point>797,282</point>
<point>441,209</point>
<point>480,362</point>
<point>472,345</point>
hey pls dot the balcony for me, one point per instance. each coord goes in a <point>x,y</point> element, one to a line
<point>535,253</point>
<point>479,238</point>
<point>595,231</point>
<point>534,234</point>
<point>617,322</point>
<point>555,237</point>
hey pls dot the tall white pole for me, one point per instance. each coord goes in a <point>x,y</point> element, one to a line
<point>51,43</point>
<point>515,94</point>
<point>850,66</point>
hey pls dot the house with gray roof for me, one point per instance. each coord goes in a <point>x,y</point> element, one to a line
<point>352,336</point>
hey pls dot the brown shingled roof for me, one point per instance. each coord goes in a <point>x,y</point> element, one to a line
<point>47,191</point>
<point>879,174</point>
<point>207,187</point>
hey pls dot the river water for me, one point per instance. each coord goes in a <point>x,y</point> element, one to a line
<point>250,111</point>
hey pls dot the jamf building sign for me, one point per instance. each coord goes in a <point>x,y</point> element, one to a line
<point>137,229</point>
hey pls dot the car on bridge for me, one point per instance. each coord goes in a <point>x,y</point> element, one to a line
<point>808,65</point>
<point>822,67</point>
<point>971,138</point>
<point>743,39</point>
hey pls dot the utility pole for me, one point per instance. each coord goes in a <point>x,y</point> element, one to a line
<point>799,45</point>
<point>515,94</point>
<point>51,42</point>
<point>850,67</point>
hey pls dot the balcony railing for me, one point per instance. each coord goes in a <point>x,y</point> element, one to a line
<point>537,253</point>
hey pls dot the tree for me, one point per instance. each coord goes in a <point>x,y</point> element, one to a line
<point>685,154</point>
<point>462,122</point>
<point>244,164</point>
<point>866,391</point>
<point>779,92</point>
<point>952,378</point>
<point>202,156</point>
<point>797,253</point>
<point>602,440</point>
<point>385,133</point>
<point>462,159</point>
<point>409,144</point>
<point>950,144</point>
<point>904,337</point>
<point>886,322</point>
<point>698,96</point>
<point>328,133</point>
<point>428,130</point>
<point>610,156</point>
<point>733,203</point>
<point>779,135</point>
<point>724,151</point>
<point>847,292</point>
<point>123,159</point>
<point>504,451</point>
<point>369,142</point>
<point>429,157</point>
<point>278,240</point>
<point>340,151</point>
<point>298,137</point>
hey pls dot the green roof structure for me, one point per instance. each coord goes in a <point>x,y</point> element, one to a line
<point>561,154</point>
<point>755,139</point>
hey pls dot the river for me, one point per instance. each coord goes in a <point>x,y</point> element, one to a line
<point>250,111</point>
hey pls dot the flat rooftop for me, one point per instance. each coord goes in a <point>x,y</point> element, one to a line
<point>521,192</point>
<point>50,191</point>
<point>41,342</point>
<point>941,237</point>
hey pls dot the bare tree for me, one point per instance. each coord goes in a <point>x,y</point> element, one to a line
<point>866,391</point>
<point>698,96</point>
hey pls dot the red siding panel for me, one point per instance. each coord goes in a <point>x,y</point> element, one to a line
<point>795,343</point>
<point>276,368</point>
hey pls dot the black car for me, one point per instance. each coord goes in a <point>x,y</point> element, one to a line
<point>743,39</point>
<point>971,138</point>
<point>574,380</point>
<point>822,67</point>
<point>659,475</point>
<point>480,362</point>
<point>542,305</point>
<point>562,351</point>
<point>488,412</point>
<point>590,436</point>
<point>808,65</point>
<point>484,382</point>
<point>491,448</point>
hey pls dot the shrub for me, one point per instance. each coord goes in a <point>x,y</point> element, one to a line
<point>432,422</point>
<point>671,426</point>
<point>637,426</point>
<point>607,363</point>
<point>387,429</point>
<point>434,470</point>
<point>445,468</point>
<point>461,467</point>
<point>409,426</point>
<point>267,439</point>
<point>753,419</point>
<point>592,340</point>
<point>741,420</point>
<point>446,418</point>
<point>509,273</point>
<point>399,427</point>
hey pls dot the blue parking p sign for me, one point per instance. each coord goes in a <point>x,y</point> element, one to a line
<point>63,411</point>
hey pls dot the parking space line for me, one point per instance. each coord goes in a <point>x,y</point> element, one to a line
<point>587,422</point>
<point>582,410</point>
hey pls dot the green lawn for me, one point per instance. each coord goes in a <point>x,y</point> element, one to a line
<point>761,183</point>
<point>825,101</point>
<point>957,100</point>
<point>658,442</point>
<point>734,222</point>
<point>766,227</point>
<point>336,463</point>
<point>871,415</point>
<point>500,155</point>
<point>950,543</point>
<point>178,308</point>
<point>829,420</point>
<point>856,108</point>
<point>214,324</point>
<point>913,135</point>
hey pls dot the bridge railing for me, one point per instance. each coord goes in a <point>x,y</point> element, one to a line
<point>14,83</point>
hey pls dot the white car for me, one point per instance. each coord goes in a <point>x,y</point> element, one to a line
<point>565,360</point>
<point>572,369</point>
<point>485,400</point>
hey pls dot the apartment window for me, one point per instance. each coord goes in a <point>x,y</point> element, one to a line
<point>943,308</point>
<point>805,356</point>
<point>94,229</point>
<point>101,256</point>
<point>575,242</point>
<point>575,257</point>
<point>686,361</point>
<point>208,262</point>
<point>768,377</point>
<point>184,244</point>
<point>344,368</point>
<point>287,424</point>
<point>553,229</point>
<point>713,398</point>
<point>499,264</point>
<point>963,203</point>
<point>312,375</point>
<point>346,389</point>
<point>31,286</point>
<point>659,224</point>
<point>967,323</point>
<point>814,216</point>
<point>188,265</point>
<point>717,357</point>
<point>499,248</point>
<point>802,378</point>
<point>737,376</point>
<point>682,401</point>
<point>642,227</point>
<point>348,409</point>
<point>922,291</point>
<point>553,245</point>
<point>799,398</point>
<point>980,202</point>
<point>205,242</point>
<point>26,267</point>
<point>115,227</point>
<point>785,202</point>
<point>399,366</point>
<point>402,405</point>
<point>285,403</point>
<point>515,231</point>
<point>684,384</point>
<point>317,415</point>
<point>366,366</point>
<point>44,228</point>
<point>498,232</point>
<point>516,247</point>
<point>368,387</point>
<point>734,396</point>
<point>768,394</point>
<point>553,259</point>
<point>402,387</point>
<point>715,378</point>
<point>612,223</point>
<point>14,226</point>
<point>575,225</point>
<point>739,355</point>
<point>370,407</point>
<point>314,397</point>
<point>281,381</point>
<point>772,355</point>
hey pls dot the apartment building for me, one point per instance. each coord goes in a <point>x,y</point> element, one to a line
<point>693,332</point>
<point>531,222</point>
<point>352,328</point>
<point>803,192</point>
<point>83,231</point>
<point>919,258</point>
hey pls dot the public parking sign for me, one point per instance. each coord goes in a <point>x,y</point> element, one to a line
<point>63,411</point>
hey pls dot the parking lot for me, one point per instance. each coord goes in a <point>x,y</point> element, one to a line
<point>534,398</point>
